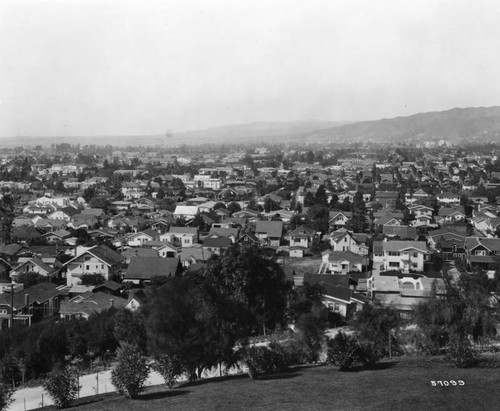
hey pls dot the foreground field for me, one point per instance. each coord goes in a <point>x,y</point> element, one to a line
<point>399,385</point>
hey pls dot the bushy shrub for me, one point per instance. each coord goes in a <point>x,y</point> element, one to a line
<point>62,386</point>
<point>6,392</point>
<point>369,354</point>
<point>461,353</point>
<point>169,368</point>
<point>263,360</point>
<point>130,374</point>
<point>343,351</point>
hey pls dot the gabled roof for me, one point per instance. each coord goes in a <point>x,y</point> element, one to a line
<point>38,262</point>
<point>224,232</point>
<point>492,244</point>
<point>334,213</point>
<point>303,231</point>
<point>102,252</point>
<point>271,228</point>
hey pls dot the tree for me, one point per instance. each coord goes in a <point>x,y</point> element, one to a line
<point>234,207</point>
<point>92,279</point>
<point>377,324</point>
<point>358,222</point>
<point>6,392</point>
<point>131,372</point>
<point>62,386</point>
<point>169,368</point>
<point>253,283</point>
<point>270,205</point>
<point>320,197</point>
<point>129,329</point>
<point>180,324</point>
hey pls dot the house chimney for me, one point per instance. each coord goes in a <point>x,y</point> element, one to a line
<point>26,299</point>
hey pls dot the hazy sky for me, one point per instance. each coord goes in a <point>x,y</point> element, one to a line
<point>93,67</point>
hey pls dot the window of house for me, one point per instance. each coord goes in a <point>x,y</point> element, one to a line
<point>330,306</point>
<point>414,265</point>
<point>337,307</point>
<point>393,264</point>
<point>102,266</point>
<point>480,252</point>
<point>87,267</point>
<point>394,253</point>
<point>415,255</point>
<point>87,258</point>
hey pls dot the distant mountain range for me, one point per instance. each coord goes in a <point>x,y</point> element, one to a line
<point>457,125</point>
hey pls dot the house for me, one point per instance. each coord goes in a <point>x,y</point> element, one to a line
<point>231,233</point>
<point>33,265</point>
<point>95,260</point>
<point>302,236</point>
<point>483,252</point>
<point>216,245</point>
<point>194,255</point>
<point>269,232</point>
<point>50,225</point>
<point>65,213</point>
<point>137,297</point>
<point>85,305</point>
<point>343,240</point>
<point>144,269</point>
<point>388,219</point>
<point>407,256</point>
<point>338,295</point>
<point>140,238</point>
<point>56,237</point>
<point>248,239</point>
<point>186,212</point>
<point>338,219</point>
<point>451,215</point>
<point>403,292</point>
<point>181,236</point>
<point>450,242</point>
<point>31,304</point>
<point>341,262</point>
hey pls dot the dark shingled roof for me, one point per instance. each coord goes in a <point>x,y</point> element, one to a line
<point>145,268</point>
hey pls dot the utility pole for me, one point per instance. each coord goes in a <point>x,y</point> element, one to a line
<point>12,305</point>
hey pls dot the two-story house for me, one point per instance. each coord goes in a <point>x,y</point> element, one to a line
<point>301,237</point>
<point>338,219</point>
<point>406,256</point>
<point>96,260</point>
<point>342,240</point>
<point>181,236</point>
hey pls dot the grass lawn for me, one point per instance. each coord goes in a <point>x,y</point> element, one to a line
<point>404,384</point>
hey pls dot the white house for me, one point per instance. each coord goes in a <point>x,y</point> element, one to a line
<point>341,240</point>
<point>405,256</point>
